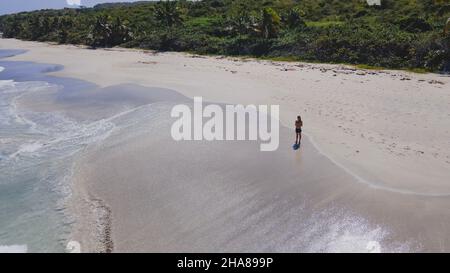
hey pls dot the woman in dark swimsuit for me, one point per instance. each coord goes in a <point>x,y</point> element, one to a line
<point>298,130</point>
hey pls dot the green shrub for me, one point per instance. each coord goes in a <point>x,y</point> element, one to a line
<point>398,34</point>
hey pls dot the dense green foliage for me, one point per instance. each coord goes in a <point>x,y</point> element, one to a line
<point>397,34</point>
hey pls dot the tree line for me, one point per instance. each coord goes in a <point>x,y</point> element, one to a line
<point>397,34</point>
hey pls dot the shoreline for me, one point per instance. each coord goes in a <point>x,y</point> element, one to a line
<point>93,225</point>
<point>400,201</point>
<point>177,210</point>
<point>366,151</point>
<point>32,153</point>
<point>94,222</point>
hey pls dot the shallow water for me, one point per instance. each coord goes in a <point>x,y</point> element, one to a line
<point>36,157</point>
<point>33,173</point>
<point>39,144</point>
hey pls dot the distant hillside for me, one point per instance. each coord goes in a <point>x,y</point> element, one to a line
<point>118,4</point>
<point>396,34</point>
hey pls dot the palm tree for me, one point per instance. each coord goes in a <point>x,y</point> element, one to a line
<point>169,14</point>
<point>11,28</point>
<point>269,24</point>
<point>293,18</point>
<point>242,22</point>
<point>101,32</point>
<point>64,23</point>
<point>119,32</point>
<point>34,26</point>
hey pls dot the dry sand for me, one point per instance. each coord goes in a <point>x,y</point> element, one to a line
<point>388,130</point>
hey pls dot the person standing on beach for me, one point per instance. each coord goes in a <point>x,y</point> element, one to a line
<point>298,130</point>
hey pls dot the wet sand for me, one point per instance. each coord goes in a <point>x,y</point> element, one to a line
<point>140,191</point>
<point>167,196</point>
<point>199,196</point>
<point>157,195</point>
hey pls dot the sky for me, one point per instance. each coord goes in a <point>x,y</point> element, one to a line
<point>13,6</point>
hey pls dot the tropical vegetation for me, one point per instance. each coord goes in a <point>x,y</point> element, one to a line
<point>410,34</point>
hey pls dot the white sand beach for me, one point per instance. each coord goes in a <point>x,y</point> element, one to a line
<point>388,127</point>
<point>378,145</point>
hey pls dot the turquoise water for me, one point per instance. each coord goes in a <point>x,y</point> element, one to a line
<point>38,148</point>
<point>37,151</point>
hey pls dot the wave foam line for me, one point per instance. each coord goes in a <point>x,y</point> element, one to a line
<point>14,249</point>
<point>370,183</point>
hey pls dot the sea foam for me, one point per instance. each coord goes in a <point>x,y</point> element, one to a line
<point>14,249</point>
<point>36,160</point>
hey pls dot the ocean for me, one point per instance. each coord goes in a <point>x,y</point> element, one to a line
<point>38,147</point>
<point>36,159</point>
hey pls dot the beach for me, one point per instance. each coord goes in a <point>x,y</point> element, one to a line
<point>373,174</point>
